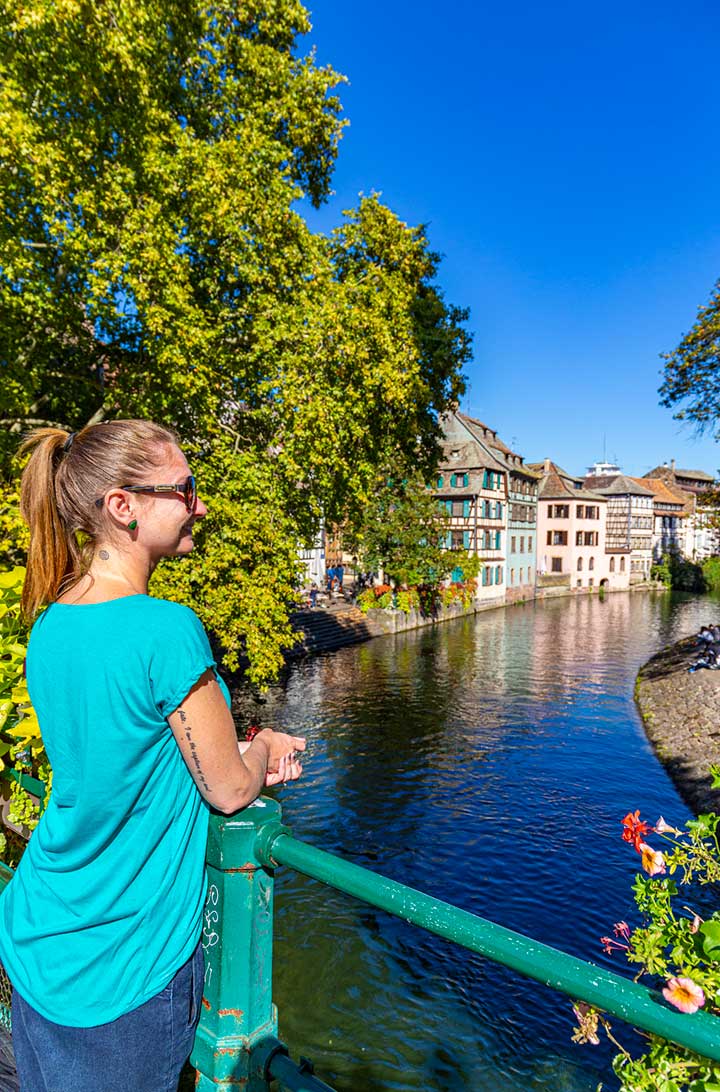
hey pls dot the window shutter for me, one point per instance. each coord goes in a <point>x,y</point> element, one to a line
<point>497,540</point>
<point>485,479</point>
<point>453,480</point>
<point>440,481</point>
<point>466,540</point>
<point>466,480</point>
<point>466,508</point>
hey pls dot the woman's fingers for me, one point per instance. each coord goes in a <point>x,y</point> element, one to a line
<point>289,769</point>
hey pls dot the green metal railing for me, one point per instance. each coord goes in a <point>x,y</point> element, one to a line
<point>237,1043</point>
<point>237,1040</point>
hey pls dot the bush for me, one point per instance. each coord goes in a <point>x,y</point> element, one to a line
<point>711,573</point>
<point>680,574</point>
<point>21,745</point>
<point>672,944</point>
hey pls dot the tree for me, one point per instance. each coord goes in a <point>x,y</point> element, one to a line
<point>404,534</point>
<point>692,371</point>
<point>153,263</point>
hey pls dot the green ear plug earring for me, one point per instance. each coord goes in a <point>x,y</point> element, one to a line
<point>132,525</point>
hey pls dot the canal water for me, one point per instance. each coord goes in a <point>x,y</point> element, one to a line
<point>489,762</point>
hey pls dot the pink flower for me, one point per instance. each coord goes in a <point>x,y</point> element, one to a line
<point>609,945</point>
<point>622,929</point>
<point>684,994</point>
<point>696,923</point>
<point>661,827</point>
<point>653,861</point>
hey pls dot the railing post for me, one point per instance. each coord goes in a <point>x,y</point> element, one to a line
<point>237,1009</point>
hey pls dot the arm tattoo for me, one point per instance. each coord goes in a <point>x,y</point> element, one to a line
<point>187,728</point>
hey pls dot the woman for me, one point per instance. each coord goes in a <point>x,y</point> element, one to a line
<point>100,927</point>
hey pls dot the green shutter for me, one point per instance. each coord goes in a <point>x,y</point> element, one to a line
<point>497,540</point>
<point>440,481</point>
<point>466,540</point>
<point>466,508</point>
<point>466,480</point>
<point>453,480</point>
<point>485,479</point>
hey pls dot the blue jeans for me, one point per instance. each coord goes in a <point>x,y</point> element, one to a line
<point>142,1051</point>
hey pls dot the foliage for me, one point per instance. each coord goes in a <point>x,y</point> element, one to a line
<point>711,573</point>
<point>244,568</point>
<point>382,596</point>
<point>462,592</point>
<point>673,944</point>
<point>153,263</point>
<point>679,573</point>
<point>14,536</point>
<point>21,746</point>
<point>692,370</point>
<point>402,533</point>
<point>660,571</point>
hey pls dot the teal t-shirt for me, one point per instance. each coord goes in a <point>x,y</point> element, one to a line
<point>107,901</point>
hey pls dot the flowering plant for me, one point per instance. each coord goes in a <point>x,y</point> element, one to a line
<point>675,944</point>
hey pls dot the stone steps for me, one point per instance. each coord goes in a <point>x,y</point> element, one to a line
<point>326,630</point>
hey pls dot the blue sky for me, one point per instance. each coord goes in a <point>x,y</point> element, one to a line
<point>565,160</point>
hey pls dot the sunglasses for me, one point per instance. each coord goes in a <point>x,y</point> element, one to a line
<point>188,488</point>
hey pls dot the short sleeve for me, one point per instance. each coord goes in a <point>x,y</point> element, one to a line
<point>181,655</point>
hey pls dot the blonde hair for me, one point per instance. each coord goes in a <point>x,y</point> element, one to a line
<point>65,475</point>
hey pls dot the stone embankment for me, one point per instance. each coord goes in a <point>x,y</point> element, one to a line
<point>681,714</point>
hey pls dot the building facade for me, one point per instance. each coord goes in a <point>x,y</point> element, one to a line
<point>471,484</point>
<point>629,520</point>
<point>670,515</point>
<point>520,511</point>
<point>702,518</point>
<point>572,548</point>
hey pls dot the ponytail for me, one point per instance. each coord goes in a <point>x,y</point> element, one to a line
<point>53,555</point>
<point>66,474</point>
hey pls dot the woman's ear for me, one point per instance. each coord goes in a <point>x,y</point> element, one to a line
<point>119,506</point>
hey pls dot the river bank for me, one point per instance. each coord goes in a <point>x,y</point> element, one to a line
<point>681,714</point>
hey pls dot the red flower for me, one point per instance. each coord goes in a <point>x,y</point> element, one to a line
<point>634,829</point>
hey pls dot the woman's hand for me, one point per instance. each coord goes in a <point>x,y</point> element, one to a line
<point>279,745</point>
<point>289,769</point>
<point>286,767</point>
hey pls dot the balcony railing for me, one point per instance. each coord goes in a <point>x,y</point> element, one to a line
<point>237,1042</point>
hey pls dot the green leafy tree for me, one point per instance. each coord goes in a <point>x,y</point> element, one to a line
<point>153,263</point>
<point>404,534</point>
<point>692,370</point>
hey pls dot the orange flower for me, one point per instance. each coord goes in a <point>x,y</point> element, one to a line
<point>684,994</point>
<point>635,828</point>
<point>653,861</point>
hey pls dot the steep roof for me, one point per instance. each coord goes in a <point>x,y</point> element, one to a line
<point>510,459</point>
<point>699,474</point>
<point>666,471</point>
<point>470,456</point>
<point>617,486</point>
<point>662,491</point>
<point>557,484</point>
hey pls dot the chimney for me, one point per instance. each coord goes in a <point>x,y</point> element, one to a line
<point>672,465</point>
<point>546,466</point>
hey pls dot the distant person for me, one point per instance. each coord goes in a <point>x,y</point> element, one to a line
<point>313,595</point>
<point>339,574</point>
<point>330,578</point>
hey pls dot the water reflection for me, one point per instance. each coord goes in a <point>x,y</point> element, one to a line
<point>487,762</point>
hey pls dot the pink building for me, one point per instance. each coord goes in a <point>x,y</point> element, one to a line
<point>571,542</point>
